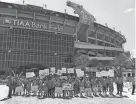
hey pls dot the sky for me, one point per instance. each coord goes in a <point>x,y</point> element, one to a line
<point>116,13</point>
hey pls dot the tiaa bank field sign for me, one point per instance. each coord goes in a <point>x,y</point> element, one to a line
<point>33,24</point>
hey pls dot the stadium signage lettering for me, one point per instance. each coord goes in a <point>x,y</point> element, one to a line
<point>35,25</point>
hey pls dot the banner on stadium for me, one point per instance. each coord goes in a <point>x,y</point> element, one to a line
<point>52,71</point>
<point>59,72</point>
<point>30,74</point>
<point>63,70</point>
<point>98,74</point>
<point>67,87</point>
<point>70,70</point>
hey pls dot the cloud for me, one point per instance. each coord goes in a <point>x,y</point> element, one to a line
<point>129,10</point>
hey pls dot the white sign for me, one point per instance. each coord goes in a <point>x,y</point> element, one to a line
<point>104,73</point>
<point>70,70</point>
<point>59,72</point>
<point>46,71</point>
<point>30,74</point>
<point>78,70</point>
<point>42,73</point>
<point>111,73</point>
<point>98,74</point>
<point>80,73</point>
<point>52,70</point>
<point>67,87</point>
<point>63,70</point>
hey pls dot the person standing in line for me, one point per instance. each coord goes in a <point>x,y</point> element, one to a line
<point>76,87</point>
<point>10,85</point>
<point>88,91</point>
<point>99,86</point>
<point>58,88</point>
<point>117,85</point>
<point>111,86</point>
<point>133,84</point>
<point>94,86</point>
<point>107,81</point>
<point>81,87</point>
<point>120,85</point>
<point>49,88</point>
<point>104,85</point>
<point>45,88</point>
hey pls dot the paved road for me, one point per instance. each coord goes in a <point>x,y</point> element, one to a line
<point>127,99</point>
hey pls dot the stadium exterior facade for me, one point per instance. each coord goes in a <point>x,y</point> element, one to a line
<point>33,35</point>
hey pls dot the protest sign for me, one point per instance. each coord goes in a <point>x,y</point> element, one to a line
<point>104,73</point>
<point>19,89</point>
<point>52,71</point>
<point>63,70</point>
<point>43,73</point>
<point>67,87</point>
<point>70,70</point>
<point>30,74</point>
<point>98,74</point>
<point>80,73</point>
<point>59,72</point>
<point>78,70</point>
<point>111,73</point>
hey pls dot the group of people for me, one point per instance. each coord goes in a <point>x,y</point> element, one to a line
<point>54,86</point>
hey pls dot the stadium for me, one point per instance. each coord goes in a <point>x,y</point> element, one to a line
<point>33,35</point>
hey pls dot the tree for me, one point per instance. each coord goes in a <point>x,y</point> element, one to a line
<point>82,60</point>
<point>94,62</point>
<point>120,60</point>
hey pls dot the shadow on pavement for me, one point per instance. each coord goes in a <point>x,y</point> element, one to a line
<point>5,99</point>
